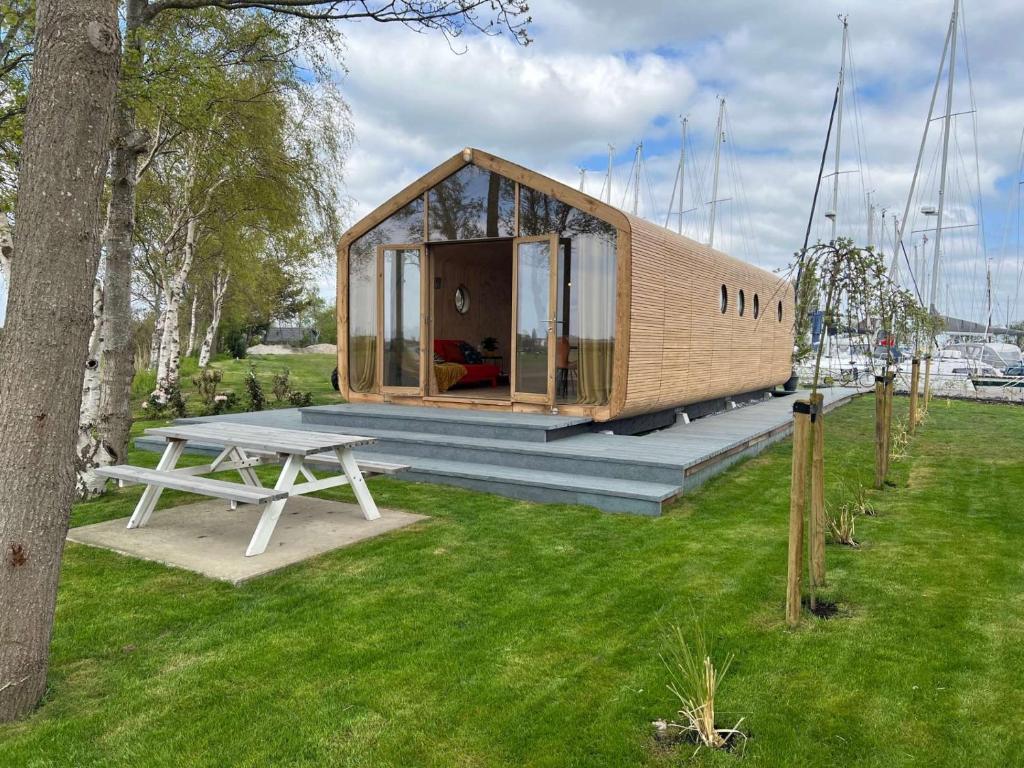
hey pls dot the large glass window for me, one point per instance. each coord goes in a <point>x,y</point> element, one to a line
<point>404,226</point>
<point>585,314</point>
<point>472,203</point>
<point>533,268</point>
<point>401,298</point>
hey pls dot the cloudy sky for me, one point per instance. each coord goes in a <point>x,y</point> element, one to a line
<point>604,71</point>
<point>607,71</point>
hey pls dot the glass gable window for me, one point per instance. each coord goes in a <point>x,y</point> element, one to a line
<point>585,315</point>
<point>472,203</point>
<point>403,227</point>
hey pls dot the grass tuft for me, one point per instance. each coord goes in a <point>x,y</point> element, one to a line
<point>841,526</point>
<point>694,680</point>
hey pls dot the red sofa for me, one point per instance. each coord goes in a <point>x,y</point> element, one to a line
<point>476,373</point>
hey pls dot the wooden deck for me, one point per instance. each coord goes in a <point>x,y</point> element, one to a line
<point>550,459</point>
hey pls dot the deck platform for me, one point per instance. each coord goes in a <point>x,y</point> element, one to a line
<point>550,459</point>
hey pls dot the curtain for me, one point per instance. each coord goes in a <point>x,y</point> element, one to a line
<point>362,317</point>
<point>594,278</point>
<point>362,363</point>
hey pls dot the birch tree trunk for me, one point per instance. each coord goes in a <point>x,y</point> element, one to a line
<point>192,328</point>
<point>220,288</point>
<point>158,330</point>
<point>117,364</point>
<point>46,338</point>
<point>90,446</point>
<point>170,346</point>
<point>6,250</point>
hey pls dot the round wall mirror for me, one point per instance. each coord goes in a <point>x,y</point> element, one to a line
<point>462,299</point>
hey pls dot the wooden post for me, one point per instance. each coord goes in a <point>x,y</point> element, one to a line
<point>890,389</point>
<point>879,436</point>
<point>816,521</point>
<point>927,382</point>
<point>915,380</point>
<point>797,491</point>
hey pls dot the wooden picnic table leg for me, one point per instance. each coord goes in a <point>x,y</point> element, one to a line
<point>358,483</point>
<point>151,495</point>
<point>271,513</point>
<point>249,476</point>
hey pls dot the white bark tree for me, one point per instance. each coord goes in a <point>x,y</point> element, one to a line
<point>169,363</point>
<point>158,328</point>
<point>220,289</point>
<point>91,450</point>
<point>191,348</point>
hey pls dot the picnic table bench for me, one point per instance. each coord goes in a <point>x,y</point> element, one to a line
<point>245,447</point>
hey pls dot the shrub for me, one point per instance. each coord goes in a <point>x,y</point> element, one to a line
<point>206,382</point>
<point>173,406</point>
<point>224,402</point>
<point>257,400</point>
<point>300,399</point>
<point>694,680</point>
<point>281,387</point>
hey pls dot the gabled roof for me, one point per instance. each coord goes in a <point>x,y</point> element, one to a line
<point>489,162</point>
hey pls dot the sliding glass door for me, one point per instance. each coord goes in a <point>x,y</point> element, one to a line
<point>533,319</point>
<point>401,286</point>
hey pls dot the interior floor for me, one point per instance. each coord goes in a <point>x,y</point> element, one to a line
<point>485,392</point>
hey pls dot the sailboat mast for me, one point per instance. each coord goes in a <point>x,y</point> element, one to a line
<point>636,179</point>
<point>714,186</point>
<point>611,151</point>
<point>988,296</point>
<point>682,177</point>
<point>920,157</point>
<point>839,130</point>
<point>946,124</point>
<point>583,179</point>
<point>871,221</point>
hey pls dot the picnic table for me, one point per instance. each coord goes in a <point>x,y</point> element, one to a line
<point>245,447</point>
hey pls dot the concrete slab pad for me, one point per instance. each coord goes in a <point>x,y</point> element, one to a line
<point>210,539</point>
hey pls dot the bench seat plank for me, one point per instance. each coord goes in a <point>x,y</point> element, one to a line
<point>220,489</point>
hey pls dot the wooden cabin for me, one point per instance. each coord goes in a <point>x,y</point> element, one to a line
<point>487,285</point>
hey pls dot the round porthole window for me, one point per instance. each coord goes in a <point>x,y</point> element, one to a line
<point>780,311</point>
<point>724,302</point>
<point>462,299</point>
<point>743,302</point>
<point>757,306</point>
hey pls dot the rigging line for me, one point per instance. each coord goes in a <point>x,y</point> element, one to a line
<point>1008,218</point>
<point>650,190</point>
<point>814,200</point>
<point>858,123</point>
<point>746,220</point>
<point>924,137</point>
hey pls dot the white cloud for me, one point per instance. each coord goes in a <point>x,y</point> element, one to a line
<point>602,71</point>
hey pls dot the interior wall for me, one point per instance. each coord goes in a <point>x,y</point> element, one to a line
<point>485,269</point>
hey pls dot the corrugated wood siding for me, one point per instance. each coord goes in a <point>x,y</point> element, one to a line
<point>682,348</point>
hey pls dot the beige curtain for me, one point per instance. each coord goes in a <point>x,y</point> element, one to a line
<point>362,363</point>
<point>362,316</point>
<point>594,275</point>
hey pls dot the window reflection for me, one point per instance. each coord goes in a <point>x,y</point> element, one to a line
<point>585,314</point>
<point>404,226</point>
<point>472,203</point>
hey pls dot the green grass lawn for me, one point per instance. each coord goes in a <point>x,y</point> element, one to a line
<point>507,633</point>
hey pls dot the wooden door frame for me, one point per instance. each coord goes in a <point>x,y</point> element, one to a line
<point>417,391</point>
<point>547,399</point>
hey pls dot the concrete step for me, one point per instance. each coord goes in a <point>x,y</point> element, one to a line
<point>559,456</point>
<point>524,427</point>
<point>605,493</point>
